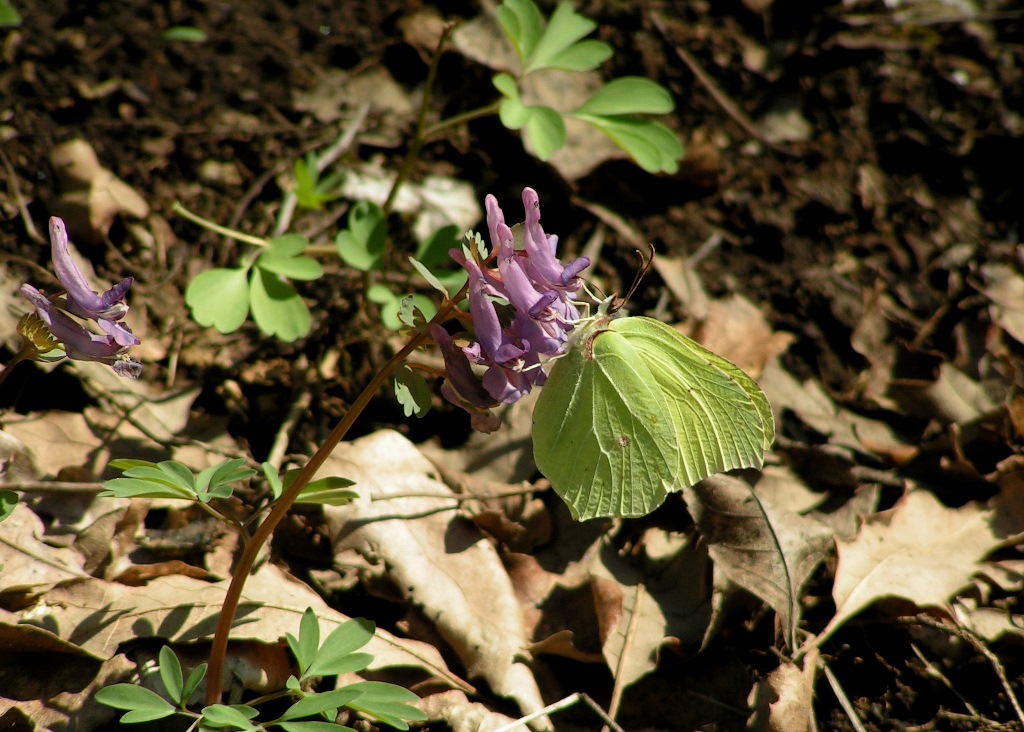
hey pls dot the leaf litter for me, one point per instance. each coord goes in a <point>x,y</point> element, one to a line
<point>878,297</point>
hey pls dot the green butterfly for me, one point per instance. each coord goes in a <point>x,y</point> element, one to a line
<point>636,410</point>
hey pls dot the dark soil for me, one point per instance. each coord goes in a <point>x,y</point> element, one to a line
<point>906,181</point>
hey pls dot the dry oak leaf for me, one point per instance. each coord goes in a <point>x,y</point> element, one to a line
<point>918,550</point>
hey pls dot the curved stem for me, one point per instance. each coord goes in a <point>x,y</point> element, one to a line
<point>459,119</point>
<point>217,228</point>
<point>18,358</point>
<point>421,122</point>
<point>248,558</point>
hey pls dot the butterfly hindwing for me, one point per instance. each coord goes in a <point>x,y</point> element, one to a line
<point>636,410</point>
<point>600,430</point>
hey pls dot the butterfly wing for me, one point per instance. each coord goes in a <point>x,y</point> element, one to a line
<point>601,432</point>
<point>721,416</point>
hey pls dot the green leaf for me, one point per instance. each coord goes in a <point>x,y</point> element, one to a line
<point>434,249</point>
<point>313,727</point>
<point>305,646</point>
<point>186,33</point>
<point>145,705</point>
<point>174,470</point>
<point>138,488</point>
<point>306,182</point>
<point>565,27</point>
<point>192,683</point>
<point>170,674</point>
<point>387,702</point>
<point>391,305</point>
<point>277,308</point>
<point>629,95</point>
<point>336,655</point>
<point>317,703</point>
<point>230,471</point>
<point>522,23</point>
<point>283,257</point>
<point>545,131</point>
<point>219,298</point>
<point>296,268</point>
<point>513,114</point>
<point>583,56</point>
<point>330,491</point>
<point>653,146</point>
<point>8,500</point>
<point>411,391</point>
<point>273,479</point>
<point>287,245</point>
<point>429,276</point>
<point>636,410</point>
<point>236,716</point>
<point>362,244</point>
<point>9,17</point>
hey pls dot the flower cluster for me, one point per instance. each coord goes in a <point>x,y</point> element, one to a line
<point>104,310</point>
<point>522,311</point>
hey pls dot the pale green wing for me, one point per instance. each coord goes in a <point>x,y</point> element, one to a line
<point>721,416</point>
<point>601,432</point>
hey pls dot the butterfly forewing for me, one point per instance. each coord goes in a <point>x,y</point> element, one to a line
<point>721,416</point>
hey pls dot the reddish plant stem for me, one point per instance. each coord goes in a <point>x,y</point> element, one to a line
<point>249,554</point>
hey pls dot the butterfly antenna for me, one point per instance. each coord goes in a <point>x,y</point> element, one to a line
<point>646,262</point>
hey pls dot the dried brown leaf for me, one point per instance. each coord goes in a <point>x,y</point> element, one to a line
<point>919,550</point>
<point>644,611</point>
<point>760,546</point>
<point>782,701</point>
<point>438,559</point>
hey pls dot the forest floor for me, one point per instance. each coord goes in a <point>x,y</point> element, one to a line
<point>844,226</point>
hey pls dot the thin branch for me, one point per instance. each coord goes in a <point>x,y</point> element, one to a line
<point>844,701</point>
<point>723,100</point>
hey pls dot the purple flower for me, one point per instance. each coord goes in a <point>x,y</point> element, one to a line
<point>105,310</point>
<point>83,301</point>
<point>522,311</point>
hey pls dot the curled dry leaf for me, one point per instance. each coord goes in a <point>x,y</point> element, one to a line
<point>782,701</point>
<point>439,560</point>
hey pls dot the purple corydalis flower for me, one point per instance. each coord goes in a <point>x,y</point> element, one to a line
<point>522,309</point>
<point>105,310</point>
<point>83,301</point>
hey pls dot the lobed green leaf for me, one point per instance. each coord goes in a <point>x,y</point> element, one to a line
<point>219,298</point>
<point>582,56</point>
<point>362,244</point>
<point>236,716</point>
<point>545,131</point>
<point>411,391</point>
<point>277,308</point>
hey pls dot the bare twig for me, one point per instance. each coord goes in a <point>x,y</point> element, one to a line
<point>12,184</point>
<point>565,703</point>
<point>627,644</point>
<point>844,701</point>
<point>723,100</point>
